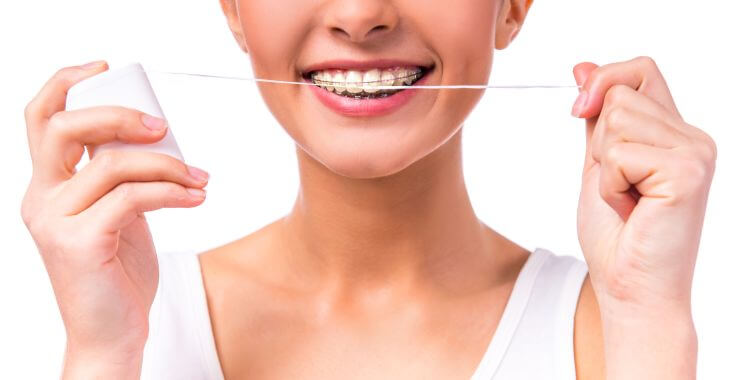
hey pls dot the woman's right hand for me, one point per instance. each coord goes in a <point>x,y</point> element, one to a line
<point>89,226</point>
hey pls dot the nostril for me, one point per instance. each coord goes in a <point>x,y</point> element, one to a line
<point>355,36</point>
<point>340,31</point>
<point>377,29</point>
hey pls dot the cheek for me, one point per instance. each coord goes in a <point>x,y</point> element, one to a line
<point>274,33</point>
<point>464,38</point>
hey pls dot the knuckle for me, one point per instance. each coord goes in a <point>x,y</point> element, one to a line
<point>708,146</point>
<point>613,154</point>
<point>168,167</point>
<point>125,191</point>
<point>26,213</point>
<point>30,110</point>
<point>40,229</point>
<point>62,75</point>
<point>174,192</point>
<point>712,145</point>
<point>616,94</point>
<point>647,62</point>
<point>119,116</point>
<point>177,165</point>
<point>107,161</point>
<point>616,119</point>
<point>29,210</point>
<point>58,122</point>
<point>693,177</point>
<point>697,169</point>
<point>707,151</point>
<point>692,164</point>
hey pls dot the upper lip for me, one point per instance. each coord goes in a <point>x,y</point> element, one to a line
<point>349,64</point>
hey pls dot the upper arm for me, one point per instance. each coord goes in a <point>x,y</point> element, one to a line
<point>588,336</point>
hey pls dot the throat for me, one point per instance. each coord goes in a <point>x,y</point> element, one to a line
<point>417,224</point>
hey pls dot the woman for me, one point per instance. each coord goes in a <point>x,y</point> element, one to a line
<point>381,269</point>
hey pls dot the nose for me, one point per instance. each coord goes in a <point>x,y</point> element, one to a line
<point>361,20</point>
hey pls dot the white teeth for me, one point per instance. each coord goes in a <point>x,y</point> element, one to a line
<point>410,76</point>
<point>370,79</point>
<point>354,82</point>
<point>339,82</point>
<point>400,77</point>
<point>387,78</point>
<point>327,79</point>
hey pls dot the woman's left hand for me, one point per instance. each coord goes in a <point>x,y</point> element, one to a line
<point>645,184</point>
<point>646,179</point>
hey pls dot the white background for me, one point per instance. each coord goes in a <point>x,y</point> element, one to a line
<point>523,151</point>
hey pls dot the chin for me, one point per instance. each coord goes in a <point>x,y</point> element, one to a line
<point>366,161</point>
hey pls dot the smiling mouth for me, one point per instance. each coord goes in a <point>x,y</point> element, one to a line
<point>364,84</point>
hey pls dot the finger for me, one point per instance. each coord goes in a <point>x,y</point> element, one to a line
<point>52,98</point>
<point>68,132</point>
<point>630,170</point>
<point>581,72</point>
<point>120,207</point>
<point>111,168</point>
<point>641,74</point>
<point>625,125</point>
<point>631,120</point>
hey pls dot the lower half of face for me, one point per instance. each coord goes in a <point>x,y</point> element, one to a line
<point>345,47</point>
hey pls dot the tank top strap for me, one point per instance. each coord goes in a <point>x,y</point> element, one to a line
<point>180,344</point>
<point>534,337</point>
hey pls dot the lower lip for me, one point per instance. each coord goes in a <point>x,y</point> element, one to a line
<point>366,107</point>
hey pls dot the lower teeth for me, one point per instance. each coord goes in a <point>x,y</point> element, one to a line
<point>369,96</point>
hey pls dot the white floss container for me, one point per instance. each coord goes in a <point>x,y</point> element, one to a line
<point>129,87</point>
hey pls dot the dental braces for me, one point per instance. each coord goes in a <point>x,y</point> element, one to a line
<point>425,87</point>
<point>369,81</point>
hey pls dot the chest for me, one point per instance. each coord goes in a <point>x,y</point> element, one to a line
<point>276,338</point>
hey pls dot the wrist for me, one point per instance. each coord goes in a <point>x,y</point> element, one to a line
<point>648,342</point>
<point>116,363</point>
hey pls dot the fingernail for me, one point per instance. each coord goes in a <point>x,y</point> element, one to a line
<point>196,193</point>
<point>153,123</point>
<point>92,65</point>
<point>198,174</point>
<point>580,103</point>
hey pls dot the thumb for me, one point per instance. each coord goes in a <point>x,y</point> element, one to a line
<point>581,72</point>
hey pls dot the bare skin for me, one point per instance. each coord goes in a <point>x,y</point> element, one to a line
<point>280,308</point>
<point>382,268</point>
<point>313,294</point>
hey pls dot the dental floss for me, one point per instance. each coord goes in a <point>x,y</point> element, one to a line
<point>459,86</point>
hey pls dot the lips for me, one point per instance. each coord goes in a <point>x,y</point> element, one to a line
<point>344,64</point>
<point>350,87</point>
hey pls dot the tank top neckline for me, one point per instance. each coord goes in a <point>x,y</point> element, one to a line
<point>489,363</point>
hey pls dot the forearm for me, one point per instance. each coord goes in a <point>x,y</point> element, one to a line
<point>102,365</point>
<point>655,344</point>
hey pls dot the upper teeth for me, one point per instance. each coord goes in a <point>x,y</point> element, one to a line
<point>357,82</point>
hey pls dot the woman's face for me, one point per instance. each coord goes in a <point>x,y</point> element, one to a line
<point>365,134</point>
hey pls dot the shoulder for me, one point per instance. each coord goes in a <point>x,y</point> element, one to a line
<point>588,335</point>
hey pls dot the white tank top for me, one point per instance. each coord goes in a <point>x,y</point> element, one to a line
<point>533,340</point>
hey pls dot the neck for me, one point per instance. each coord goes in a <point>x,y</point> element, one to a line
<point>417,225</point>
